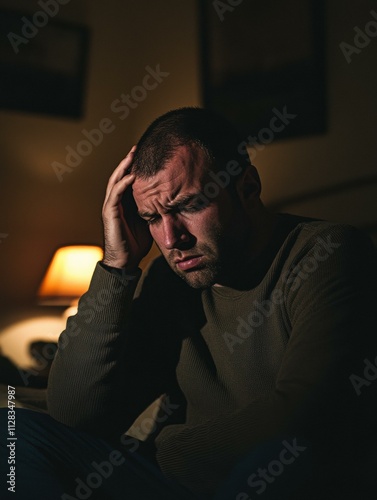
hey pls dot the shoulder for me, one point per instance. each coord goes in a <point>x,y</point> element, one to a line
<point>310,235</point>
<point>317,255</point>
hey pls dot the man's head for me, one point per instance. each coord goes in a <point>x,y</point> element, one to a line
<point>198,193</point>
<point>212,133</point>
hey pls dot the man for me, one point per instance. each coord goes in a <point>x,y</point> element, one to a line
<point>254,327</point>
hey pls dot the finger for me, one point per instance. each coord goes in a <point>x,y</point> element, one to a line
<point>121,169</point>
<point>113,210</point>
<point>115,193</point>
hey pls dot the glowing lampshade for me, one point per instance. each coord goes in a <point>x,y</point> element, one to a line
<point>69,274</point>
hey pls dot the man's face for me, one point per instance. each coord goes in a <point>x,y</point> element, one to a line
<point>195,234</point>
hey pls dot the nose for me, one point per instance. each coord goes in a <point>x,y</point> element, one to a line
<point>175,233</point>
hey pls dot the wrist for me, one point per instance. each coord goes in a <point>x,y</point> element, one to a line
<point>119,260</point>
<point>119,269</point>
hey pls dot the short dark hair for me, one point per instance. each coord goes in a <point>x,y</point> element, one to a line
<point>211,132</point>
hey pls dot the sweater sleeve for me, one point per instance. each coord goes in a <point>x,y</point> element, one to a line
<point>330,303</point>
<point>100,378</point>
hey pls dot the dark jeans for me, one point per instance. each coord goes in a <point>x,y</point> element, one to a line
<point>56,462</point>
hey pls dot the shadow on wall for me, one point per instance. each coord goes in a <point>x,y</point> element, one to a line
<point>328,191</point>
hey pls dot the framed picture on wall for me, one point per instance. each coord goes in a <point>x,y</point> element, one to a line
<point>265,59</point>
<point>43,65</point>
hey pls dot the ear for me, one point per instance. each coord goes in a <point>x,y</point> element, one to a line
<point>248,187</point>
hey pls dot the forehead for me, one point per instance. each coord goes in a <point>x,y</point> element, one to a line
<point>183,173</point>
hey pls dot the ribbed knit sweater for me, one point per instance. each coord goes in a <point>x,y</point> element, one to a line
<point>239,367</point>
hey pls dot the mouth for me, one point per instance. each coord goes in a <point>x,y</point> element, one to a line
<point>189,263</point>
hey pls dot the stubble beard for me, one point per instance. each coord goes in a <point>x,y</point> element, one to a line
<point>216,255</point>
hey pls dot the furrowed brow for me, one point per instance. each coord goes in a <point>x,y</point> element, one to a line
<point>182,201</point>
<point>146,215</point>
<point>179,202</point>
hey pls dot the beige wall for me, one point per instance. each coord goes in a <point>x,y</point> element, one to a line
<point>348,150</point>
<point>39,213</point>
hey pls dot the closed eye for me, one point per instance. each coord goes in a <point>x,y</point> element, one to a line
<point>189,209</point>
<point>192,208</point>
<point>189,206</point>
<point>153,220</point>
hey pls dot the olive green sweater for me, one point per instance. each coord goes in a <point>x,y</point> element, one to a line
<point>239,367</point>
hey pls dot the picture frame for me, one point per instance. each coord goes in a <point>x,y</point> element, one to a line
<point>263,58</point>
<point>43,64</point>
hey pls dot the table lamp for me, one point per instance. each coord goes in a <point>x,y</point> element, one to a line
<point>68,275</point>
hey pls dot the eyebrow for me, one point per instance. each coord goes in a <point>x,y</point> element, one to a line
<point>180,202</point>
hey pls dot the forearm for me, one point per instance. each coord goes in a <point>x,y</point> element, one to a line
<point>85,380</point>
